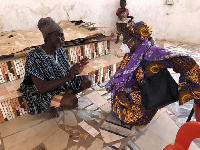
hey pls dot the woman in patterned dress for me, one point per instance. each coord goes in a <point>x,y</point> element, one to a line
<point>124,85</point>
<point>48,74</point>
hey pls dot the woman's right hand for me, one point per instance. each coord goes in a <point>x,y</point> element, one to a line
<point>78,67</point>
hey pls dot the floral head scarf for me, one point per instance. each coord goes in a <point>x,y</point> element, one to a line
<point>140,30</point>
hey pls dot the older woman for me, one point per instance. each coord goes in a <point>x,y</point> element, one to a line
<point>124,85</point>
<point>48,74</point>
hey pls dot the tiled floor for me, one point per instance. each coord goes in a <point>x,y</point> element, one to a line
<point>89,127</point>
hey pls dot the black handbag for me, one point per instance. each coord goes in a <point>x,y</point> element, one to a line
<point>158,90</point>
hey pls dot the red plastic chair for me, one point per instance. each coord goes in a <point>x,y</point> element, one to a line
<point>197,112</point>
<point>186,134</point>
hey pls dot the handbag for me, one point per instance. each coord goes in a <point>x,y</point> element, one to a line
<point>158,90</point>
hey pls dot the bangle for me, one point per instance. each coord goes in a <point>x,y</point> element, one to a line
<point>55,101</point>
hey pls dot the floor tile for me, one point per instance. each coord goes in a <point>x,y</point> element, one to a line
<point>73,147</point>
<point>193,146</point>
<point>197,142</point>
<point>92,108</point>
<point>21,123</point>
<point>76,132</point>
<point>97,99</point>
<point>165,128</point>
<point>106,108</point>
<point>158,114</point>
<point>92,131</point>
<point>84,102</point>
<point>30,138</point>
<point>101,92</point>
<point>113,120</point>
<point>57,141</point>
<point>118,130</point>
<point>1,144</point>
<point>61,122</point>
<point>86,92</point>
<point>69,118</point>
<point>117,145</point>
<point>109,148</point>
<point>61,114</point>
<point>96,145</point>
<point>110,137</point>
<point>102,84</point>
<point>107,96</point>
<point>40,147</point>
<point>112,147</point>
<point>96,87</point>
<point>94,117</point>
<point>150,141</point>
<point>132,146</point>
<point>82,148</point>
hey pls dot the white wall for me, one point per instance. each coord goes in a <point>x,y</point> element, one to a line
<point>179,22</point>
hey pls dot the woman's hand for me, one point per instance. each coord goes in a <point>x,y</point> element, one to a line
<point>75,69</point>
<point>122,96</point>
<point>84,61</point>
<point>78,67</point>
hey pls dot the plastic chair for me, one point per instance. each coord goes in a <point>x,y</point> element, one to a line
<point>186,134</point>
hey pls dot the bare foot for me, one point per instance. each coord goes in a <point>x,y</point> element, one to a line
<point>54,112</point>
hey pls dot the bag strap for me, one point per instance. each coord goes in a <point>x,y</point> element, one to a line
<point>143,60</point>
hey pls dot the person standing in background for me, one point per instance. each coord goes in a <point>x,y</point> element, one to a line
<point>123,14</point>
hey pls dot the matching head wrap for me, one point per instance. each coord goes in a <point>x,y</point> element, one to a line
<point>47,26</point>
<point>140,30</point>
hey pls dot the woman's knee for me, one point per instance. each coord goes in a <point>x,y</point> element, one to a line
<point>197,112</point>
<point>87,81</point>
<point>197,102</point>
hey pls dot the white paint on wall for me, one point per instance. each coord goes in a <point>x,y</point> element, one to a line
<point>178,22</point>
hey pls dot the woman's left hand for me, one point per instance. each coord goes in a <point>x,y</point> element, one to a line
<point>83,62</point>
<point>122,96</point>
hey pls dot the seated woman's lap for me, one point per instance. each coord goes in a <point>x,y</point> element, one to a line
<point>68,99</point>
<point>80,83</point>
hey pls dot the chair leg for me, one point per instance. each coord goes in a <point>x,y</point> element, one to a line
<point>197,112</point>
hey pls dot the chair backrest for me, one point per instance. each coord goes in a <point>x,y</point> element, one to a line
<point>186,134</point>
